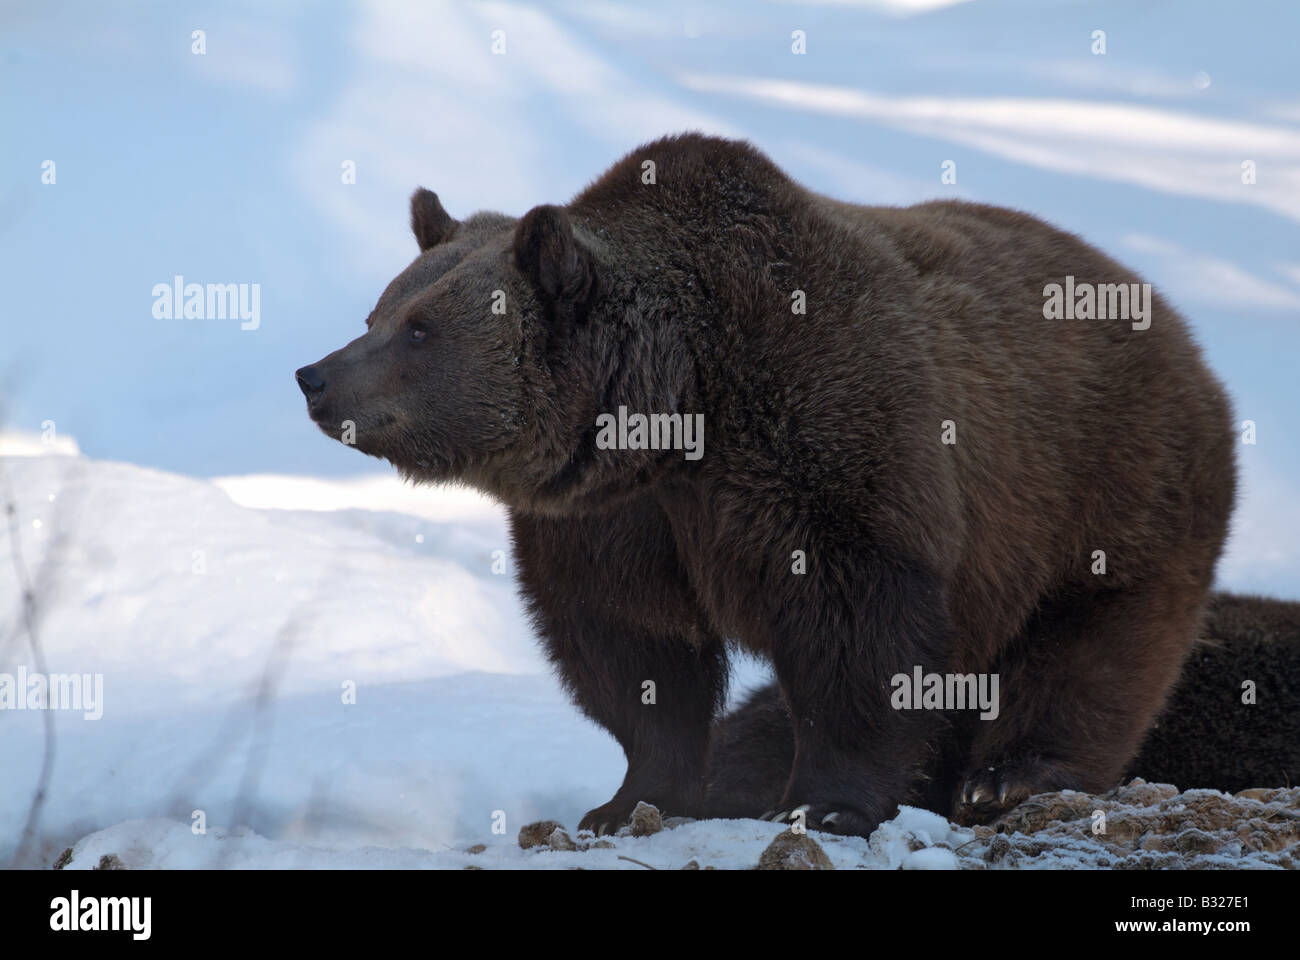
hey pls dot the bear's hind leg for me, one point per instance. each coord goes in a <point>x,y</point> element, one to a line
<point>1079,689</point>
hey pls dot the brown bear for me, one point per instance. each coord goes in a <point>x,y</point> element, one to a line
<point>1213,731</point>
<point>1233,721</point>
<point>935,440</point>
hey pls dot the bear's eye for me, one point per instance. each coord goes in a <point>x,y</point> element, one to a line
<point>418,333</point>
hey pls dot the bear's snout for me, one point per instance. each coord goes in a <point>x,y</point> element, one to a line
<point>311,383</point>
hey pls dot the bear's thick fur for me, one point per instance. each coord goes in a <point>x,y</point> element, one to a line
<point>1206,736</point>
<point>906,464</point>
<point>1218,732</point>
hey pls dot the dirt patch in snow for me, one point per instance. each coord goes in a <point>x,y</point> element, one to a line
<point>1138,826</point>
<point>1145,826</point>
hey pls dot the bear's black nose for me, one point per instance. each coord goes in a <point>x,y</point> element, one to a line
<point>310,382</point>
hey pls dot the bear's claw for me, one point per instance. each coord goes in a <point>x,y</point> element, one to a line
<point>989,792</point>
<point>845,822</point>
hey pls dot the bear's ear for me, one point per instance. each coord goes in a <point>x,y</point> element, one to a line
<point>547,251</point>
<point>430,223</point>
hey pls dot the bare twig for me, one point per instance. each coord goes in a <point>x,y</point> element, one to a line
<point>27,622</point>
<point>259,742</point>
<point>637,862</point>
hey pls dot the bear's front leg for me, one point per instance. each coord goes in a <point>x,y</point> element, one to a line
<point>618,619</point>
<point>658,699</point>
<point>856,757</point>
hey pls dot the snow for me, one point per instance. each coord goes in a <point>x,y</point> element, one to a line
<point>187,595</point>
<point>723,844</point>
<point>185,601</point>
<point>292,679</point>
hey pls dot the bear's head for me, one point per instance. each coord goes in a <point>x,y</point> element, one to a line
<point>481,362</point>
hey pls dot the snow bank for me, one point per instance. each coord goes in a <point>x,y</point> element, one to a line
<point>190,606</point>
<point>277,656</point>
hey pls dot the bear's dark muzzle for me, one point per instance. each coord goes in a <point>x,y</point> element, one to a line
<point>311,383</point>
